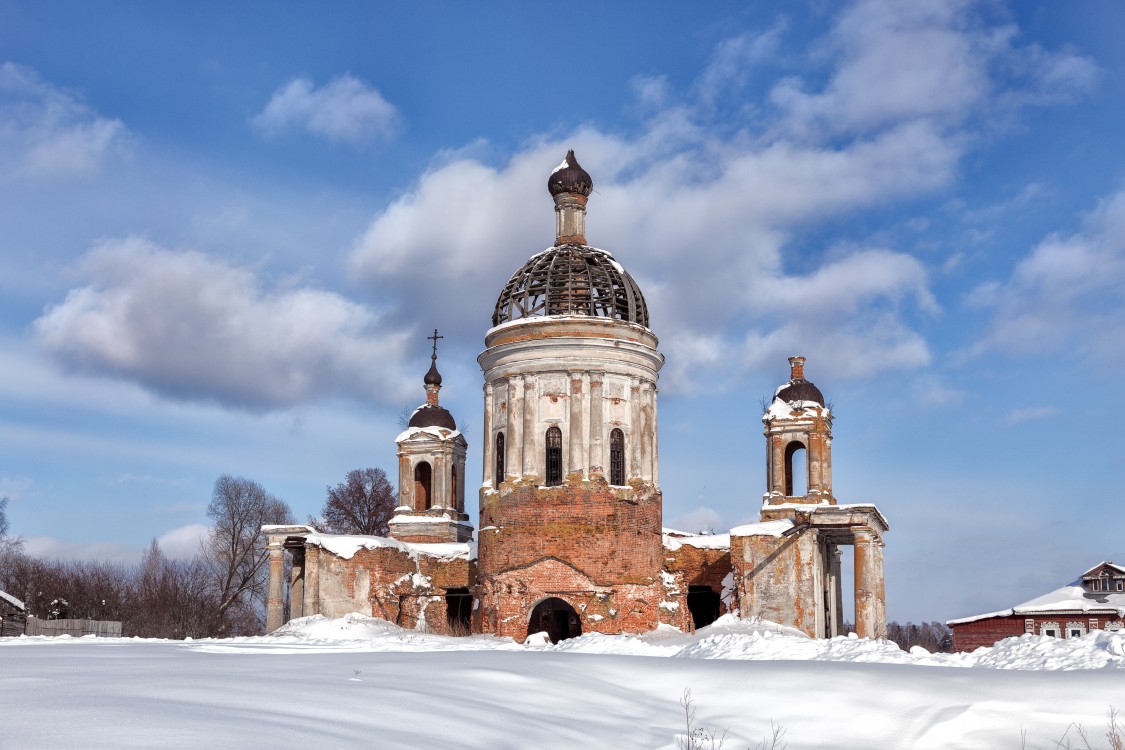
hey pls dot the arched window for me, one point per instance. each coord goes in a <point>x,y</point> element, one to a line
<point>422,476</point>
<point>554,456</point>
<point>453,489</point>
<point>796,470</point>
<point>616,457</point>
<point>496,480</point>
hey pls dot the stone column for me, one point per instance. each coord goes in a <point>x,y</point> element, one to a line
<point>275,599</point>
<point>597,423</point>
<point>297,584</point>
<point>405,482</point>
<point>489,474</point>
<point>634,434</point>
<point>647,432</point>
<point>655,436</point>
<point>815,452</point>
<point>439,480</point>
<point>575,462</point>
<point>532,456</point>
<point>312,582</point>
<point>778,457</point>
<point>870,606</point>
<point>514,465</point>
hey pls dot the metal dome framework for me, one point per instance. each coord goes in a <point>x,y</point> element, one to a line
<point>571,280</point>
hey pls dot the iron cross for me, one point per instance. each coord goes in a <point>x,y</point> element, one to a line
<point>435,338</point>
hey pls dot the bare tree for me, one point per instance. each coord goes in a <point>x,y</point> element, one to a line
<point>236,559</point>
<point>8,544</point>
<point>362,504</point>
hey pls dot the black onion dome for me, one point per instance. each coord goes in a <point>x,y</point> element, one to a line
<point>569,177</point>
<point>433,377</point>
<point>800,390</point>
<point>432,416</point>
<point>571,280</point>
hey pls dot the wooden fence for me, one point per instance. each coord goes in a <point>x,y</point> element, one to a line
<point>76,628</point>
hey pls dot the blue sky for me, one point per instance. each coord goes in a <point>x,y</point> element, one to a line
<point>227,229</point>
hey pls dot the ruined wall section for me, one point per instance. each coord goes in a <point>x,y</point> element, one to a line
<point>686,565</point>
<point>392,583</point>
<point>779,578</point>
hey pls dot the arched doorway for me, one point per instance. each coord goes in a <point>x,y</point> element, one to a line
<point>703,603</point>
<point>555,617</point>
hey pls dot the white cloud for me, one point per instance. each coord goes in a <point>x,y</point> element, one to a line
<point>1068,294</point>
<point>345,109</point>
<point>15,488</point>
<point>930,59</point>
<point>49,132</point>
<point>191,327</point>
<point>701,519</point>
<point>732,62</point>
<point>1030,414</point>
<point>183,542</point>
<point>707,218</point>
<point>50,548</point>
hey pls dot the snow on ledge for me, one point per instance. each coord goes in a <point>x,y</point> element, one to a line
<point>405,518</point>
<point>765,528</point>
<point>345,546</point>
<point>674,539</point>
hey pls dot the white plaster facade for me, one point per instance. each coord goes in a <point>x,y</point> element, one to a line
<point>587,376</point>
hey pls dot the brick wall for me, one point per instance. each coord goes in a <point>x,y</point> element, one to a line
<point>595,546</point>
<point>970,636</point>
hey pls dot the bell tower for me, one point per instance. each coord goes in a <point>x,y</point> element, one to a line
<point>431,471</point>
<point>798,429</point>
<point>787,568</point>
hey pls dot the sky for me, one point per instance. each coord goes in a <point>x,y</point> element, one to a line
<point>226,230</point>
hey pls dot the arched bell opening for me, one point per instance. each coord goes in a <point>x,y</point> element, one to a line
<point>423,476</point>
<point>796,470</point>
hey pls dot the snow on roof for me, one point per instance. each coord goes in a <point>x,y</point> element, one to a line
<point>765,528</point>
<point>346,546</point>
<point>441,433</point>
<point>294,528</point>
<point>443,518</point>
<point>674,539</point>
<point>1108,563</point>
<point>12,600</point>
<point>1072,598</point>
<point>779,409</point>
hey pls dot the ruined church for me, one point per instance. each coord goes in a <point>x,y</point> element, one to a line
<point>570,538</point>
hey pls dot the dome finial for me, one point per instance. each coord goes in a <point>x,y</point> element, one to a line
<point>570,185</point>
<point>570,177</point>
<point>796,367</point>
<point>432,380</point>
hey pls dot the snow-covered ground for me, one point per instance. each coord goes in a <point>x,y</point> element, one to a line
<point>359,682</point>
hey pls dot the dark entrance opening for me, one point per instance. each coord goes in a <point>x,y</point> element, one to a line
<point>703,603</point>
<point>555,617</point>
<point>459,611</point>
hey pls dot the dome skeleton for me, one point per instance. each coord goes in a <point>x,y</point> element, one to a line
<point>571,278</point>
